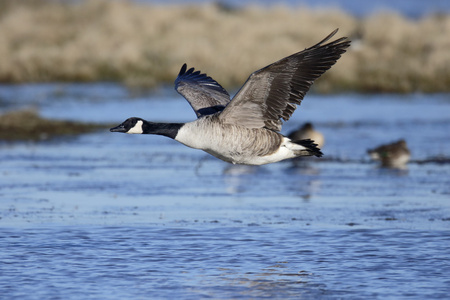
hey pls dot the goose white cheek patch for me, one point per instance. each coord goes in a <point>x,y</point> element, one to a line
<point>136,129</point>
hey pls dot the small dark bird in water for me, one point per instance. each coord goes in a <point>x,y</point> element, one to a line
<point>307,131</point>
<point>245,130</point>
<point>394,155</point>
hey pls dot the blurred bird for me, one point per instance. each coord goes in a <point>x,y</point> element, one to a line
<point>307,131</point>
<point>394,155</point>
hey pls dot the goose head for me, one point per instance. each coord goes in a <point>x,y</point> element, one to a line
<point>130,125</point>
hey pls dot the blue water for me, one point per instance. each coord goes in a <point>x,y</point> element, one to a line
<point>223,262</point>
<point>113,216</point>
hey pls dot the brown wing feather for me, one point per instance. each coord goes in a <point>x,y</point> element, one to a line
<point>273,92</point>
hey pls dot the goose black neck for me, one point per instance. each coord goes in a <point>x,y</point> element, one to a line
<point>166,129</point>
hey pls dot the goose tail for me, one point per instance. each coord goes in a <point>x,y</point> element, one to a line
<point>310,148</point>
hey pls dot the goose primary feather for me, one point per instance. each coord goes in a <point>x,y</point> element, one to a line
<point>245,130</point>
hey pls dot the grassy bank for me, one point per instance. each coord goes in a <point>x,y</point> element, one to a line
<point>28,125</point>
<point>146,45</point>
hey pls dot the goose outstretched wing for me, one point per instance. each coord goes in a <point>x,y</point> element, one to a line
<point>273,92</point>
<point>205,95</point>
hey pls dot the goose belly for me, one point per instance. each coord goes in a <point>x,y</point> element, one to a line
<point>235,144</point>
<point>237,158</point>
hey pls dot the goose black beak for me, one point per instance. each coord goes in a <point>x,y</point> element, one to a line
<point>119,128</point>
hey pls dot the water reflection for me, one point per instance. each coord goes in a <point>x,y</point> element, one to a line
<point>275,282</point>
<point>237,177</point>
<point>387,171</point>
<point>278,181</point>
<point>306,171</point>
<point>304,166</point>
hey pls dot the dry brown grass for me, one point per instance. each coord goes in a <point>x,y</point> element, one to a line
<point>28,125</point>
<point>146,45</point>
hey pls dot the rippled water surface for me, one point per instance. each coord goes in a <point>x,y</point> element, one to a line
<point>114,216</point>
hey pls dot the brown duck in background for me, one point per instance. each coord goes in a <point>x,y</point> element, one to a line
<point>394,155</point>
<point>307,131</point>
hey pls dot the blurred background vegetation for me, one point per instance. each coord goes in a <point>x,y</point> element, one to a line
<point>145,44</point>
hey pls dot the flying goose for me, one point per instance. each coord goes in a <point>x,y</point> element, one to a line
<point>307,131</point>
<point>245,130</point>
<point>394,155</point>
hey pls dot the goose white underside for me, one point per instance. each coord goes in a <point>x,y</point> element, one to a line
<point>286,150</point>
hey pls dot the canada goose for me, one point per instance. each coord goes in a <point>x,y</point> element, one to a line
<point>246,129</point>
<point>307,131</point>
<point>394,155</point>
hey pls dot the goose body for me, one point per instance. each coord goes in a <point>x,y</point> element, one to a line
<point>245,130</point>
<point>250,146</point>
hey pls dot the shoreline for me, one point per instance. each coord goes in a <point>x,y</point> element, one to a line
<point>142,45</point>
<point>28,125</point>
